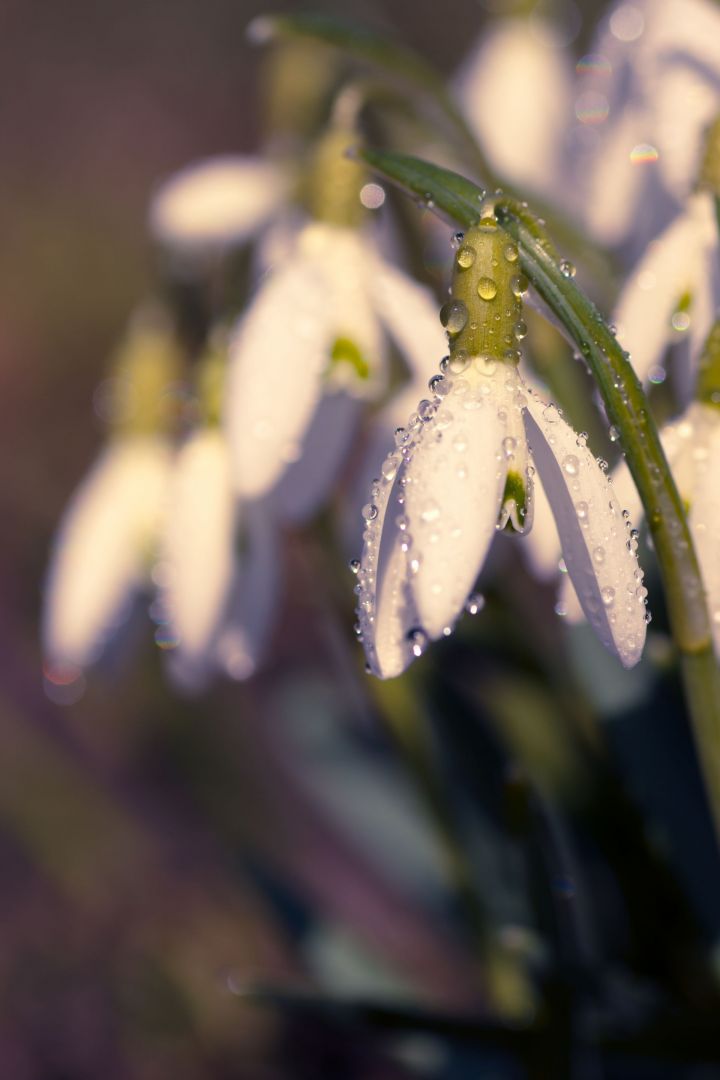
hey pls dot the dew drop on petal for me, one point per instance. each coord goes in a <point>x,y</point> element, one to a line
<point>571,465</point>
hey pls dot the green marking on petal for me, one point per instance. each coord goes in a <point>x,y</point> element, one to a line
<point>515,504</point>
<point>345,351</point>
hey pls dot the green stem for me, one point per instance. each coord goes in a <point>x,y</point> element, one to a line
<point>628,410</point>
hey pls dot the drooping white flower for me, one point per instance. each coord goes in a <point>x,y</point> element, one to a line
<point>654,75</point>
<point>515,89</point>
<point>218,202</point>
<point>674,290</point>
<point>315,331</point>
<point>219,568</point>
<point>104,548</point>
<point>462,469</point>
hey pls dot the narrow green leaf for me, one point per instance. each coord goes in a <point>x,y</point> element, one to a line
<point>449,194</point>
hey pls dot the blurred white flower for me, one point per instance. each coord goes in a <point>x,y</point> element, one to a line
<point>673,291</point>
<point>219,568</point>
<point>656,69</point>
<point>461,471</point>
<point>104,549</point>
<point>314,337</point>
<point>692,447</point>
<point>516,91</point>
<point>218,202</point>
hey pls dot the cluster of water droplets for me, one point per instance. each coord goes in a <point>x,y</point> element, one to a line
<point>464,384</point>
<point>620,587</point>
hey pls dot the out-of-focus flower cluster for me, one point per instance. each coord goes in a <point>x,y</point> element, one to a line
<point>235,404</point>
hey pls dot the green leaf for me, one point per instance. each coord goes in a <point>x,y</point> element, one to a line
<point>446,192</point>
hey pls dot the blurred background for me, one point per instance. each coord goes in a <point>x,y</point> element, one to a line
<point>467,873</point>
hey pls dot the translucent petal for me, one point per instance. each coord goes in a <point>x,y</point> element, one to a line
<point>613,184</point>
<point>594,535</point>
<point>104,548</point>
<point>668,268</point>
<point>278,357</point>
<point>199,541</point>
<point>542,544</point>
<point>453,491</point>
<point>516,91</point>
<point>308,482</point>
<point>410,314</point>
<point>219,201</point>
<point>248,614</point>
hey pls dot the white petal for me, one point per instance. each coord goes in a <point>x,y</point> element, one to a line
<point>613,184</point>
<point>254,599</point>
<point>668,268</point>
<point>248,612</point>
<point>593,533</point>
<point>453,491</point>
<point>347,262</point>
<point>410,313</point>
<point>704,518</point>
<point>199,541</point>
<point>219,201</point>
<point>308,482</point>
<point>104,548</point>
<point>542,544</point>
<point>278,357</point>
<point>516,92</point>
<point>386,611</point>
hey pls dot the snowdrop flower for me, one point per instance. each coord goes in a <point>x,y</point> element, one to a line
<point>515,89</point>
<point>675,287</point>
<point>103,552</point>
<point>650,87</point>
<point>674,290</point>
<point>219,568</point>
<point>463,469</point>
<point>313,337</point>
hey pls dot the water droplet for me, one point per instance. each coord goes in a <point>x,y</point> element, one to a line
<point>509,446</point>
<point>453,316</point>
<point>418,640</point>
<point>390,466</point>
<point>354,565</point>
<point>438,385</point>
<point>459,362</point>
<point>485,364</point>
<point>520,329</point>
<point>571,465</point>
<point>567,269</point>
<point>551,414</point>
<point>581,509</point>
<point>608,596</point>
<point>613,433</point>
<point>599,556</point>
<point>511,253</point>
<point>426,410</point>
<point>474,603</point>
<point>369,511</point>
<point>457,239</point>
<point>430,512</point>
<point>487,288</point>
<point>466,256</point>
<point>519,285</point>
